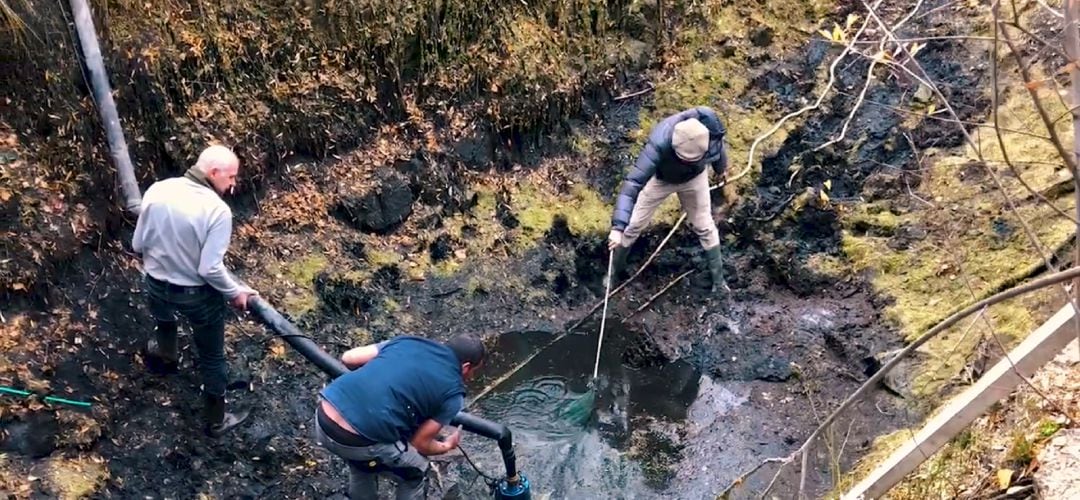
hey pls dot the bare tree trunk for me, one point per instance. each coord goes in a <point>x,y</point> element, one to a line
<point>1072,48</point>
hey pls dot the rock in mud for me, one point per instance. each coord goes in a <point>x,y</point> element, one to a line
<point>772,369</point>
<point>476,151</point>
<point>762,37</point>
<point>441,248</point>
<point>907,235</point>
<point>382,209</point>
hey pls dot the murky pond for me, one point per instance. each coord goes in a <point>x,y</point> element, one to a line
<point>564,456</point>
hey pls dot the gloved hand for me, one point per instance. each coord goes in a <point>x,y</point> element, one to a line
<point>614,239</point>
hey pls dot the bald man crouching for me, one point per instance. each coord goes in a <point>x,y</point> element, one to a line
<point>182,233</point>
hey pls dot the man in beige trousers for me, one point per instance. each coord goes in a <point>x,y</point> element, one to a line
<point>674,160</point>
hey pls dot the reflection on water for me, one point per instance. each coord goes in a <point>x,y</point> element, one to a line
<point>562,457</point>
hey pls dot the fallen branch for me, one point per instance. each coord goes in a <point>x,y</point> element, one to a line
<point>739,480</point>
<point>817,104</point>
<point>658,294</point>
<point>632,95</point>
<point>866,85</point>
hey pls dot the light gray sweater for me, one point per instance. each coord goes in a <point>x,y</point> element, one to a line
<point>183,233</point>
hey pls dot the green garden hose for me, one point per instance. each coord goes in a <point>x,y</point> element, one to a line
<point>47,399</point>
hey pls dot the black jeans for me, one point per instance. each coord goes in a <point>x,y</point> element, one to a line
<point>204,309</point>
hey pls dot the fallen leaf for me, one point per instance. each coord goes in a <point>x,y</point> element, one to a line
<point>1004,478</point>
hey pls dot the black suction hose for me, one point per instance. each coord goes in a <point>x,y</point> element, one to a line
<point>265,313</point>
<point>262,310</point>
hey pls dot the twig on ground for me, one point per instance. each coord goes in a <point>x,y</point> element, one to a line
<point>658,294</point>
<point>1050,9</point>
<point>919,167</point>
<point>821,97</point>
<point>739,480</point>
<point>632,95</point>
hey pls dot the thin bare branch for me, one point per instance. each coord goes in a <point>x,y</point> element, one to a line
<point>1025,72</point>
<point>632,95</point>
<point>1054,48</point>
<point>821,97</point>
<point>739,480</point>
<point>658,294</point>
<point>1050,9</point>
<point>855,108</point>
<point>995,105</point>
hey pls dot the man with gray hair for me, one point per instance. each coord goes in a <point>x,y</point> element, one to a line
<point>674,160</point>
<point>182,234</point>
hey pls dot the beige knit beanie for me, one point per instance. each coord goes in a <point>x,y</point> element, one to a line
<point>690,140</point>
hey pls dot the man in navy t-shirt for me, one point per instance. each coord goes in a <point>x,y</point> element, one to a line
<point>385,416</point>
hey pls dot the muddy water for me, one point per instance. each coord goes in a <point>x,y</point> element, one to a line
<point>567,457</point>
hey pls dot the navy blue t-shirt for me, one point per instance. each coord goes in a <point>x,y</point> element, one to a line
<point>411,380</point>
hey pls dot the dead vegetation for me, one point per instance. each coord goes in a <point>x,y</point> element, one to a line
<point>310,91</point>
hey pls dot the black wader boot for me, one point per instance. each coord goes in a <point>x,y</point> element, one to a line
<point>218,421</point>
<point>162,357</point>
<point>618,265</point>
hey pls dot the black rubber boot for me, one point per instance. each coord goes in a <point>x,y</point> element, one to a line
<point>218,421</point>
<point>162,356</point>
<point>618,265</point>
<point>716,269</point>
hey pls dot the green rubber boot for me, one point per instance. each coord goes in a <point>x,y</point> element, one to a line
<point>716,269</point>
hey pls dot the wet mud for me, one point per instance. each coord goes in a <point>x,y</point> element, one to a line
<point>693,391</point>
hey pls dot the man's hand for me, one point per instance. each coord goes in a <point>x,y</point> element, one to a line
<point>426,439</point>
<point>614,239</point>
<point>453,439</point>
<point>241,300</point>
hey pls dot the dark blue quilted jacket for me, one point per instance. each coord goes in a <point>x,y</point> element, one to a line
<point>658,159</point>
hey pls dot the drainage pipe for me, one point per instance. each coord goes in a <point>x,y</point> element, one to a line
<point>110,119</point>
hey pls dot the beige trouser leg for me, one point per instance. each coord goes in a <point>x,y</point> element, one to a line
<point>694,198</point>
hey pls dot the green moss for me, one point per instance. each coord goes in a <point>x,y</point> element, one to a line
<point>377,258</point>
<point>872,220</point>
<point>300,297</point>
<point>1048,428</point>
<point>828,265</point>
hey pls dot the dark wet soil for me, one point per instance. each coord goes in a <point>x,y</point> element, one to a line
<point>743,377</point>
